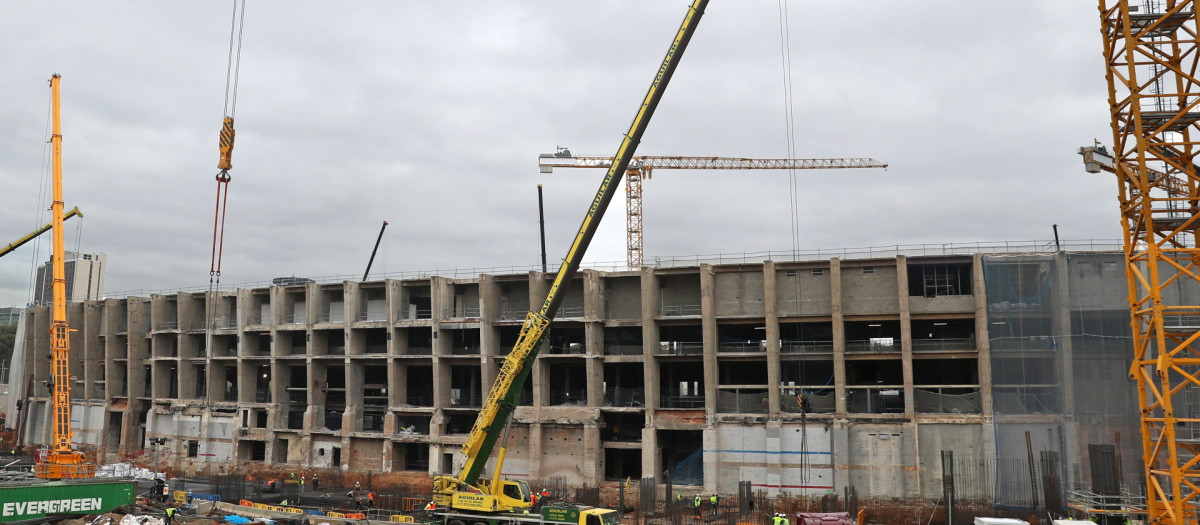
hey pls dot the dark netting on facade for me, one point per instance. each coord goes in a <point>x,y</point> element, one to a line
<point>1060,351</point>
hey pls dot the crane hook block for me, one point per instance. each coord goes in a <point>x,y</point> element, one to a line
<point>226,145</point>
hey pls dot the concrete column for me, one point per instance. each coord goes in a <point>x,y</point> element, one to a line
<point>352,418</point>
<point>839,335</point>
<point>982,343</point>
<point>592,469</point>
<point>489,335</point>
<point>651,453</point>
<point>711,444</point>
<point>535,450</point>
<point>650,347</point>
<point>1060,327</point>
<point>593,295</point>
<point>708,324</point>
<point>314,415</point>
<point>906,362</point>
<point>771,319</point>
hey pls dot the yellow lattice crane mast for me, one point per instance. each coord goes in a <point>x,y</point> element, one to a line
<point>61,462</point>
<point>1151,59</point>
<point>643,166</point>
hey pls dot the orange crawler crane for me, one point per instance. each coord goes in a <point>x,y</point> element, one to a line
<point>61,462</point>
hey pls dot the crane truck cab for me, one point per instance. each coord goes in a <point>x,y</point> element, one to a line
<point>507,496</point>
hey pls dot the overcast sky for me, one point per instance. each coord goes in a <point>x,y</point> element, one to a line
<point>430,115</point>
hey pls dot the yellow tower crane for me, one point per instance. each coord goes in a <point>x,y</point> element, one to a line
<point>1151,55</point>
<point>61,462</point>
<point>643,167</point>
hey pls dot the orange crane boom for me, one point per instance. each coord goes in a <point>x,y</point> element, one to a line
<point>61,462</point>
<point>643,167</point>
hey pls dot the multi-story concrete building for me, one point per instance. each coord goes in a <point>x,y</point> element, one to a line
<point>84,274</point>
<point>690,372</point>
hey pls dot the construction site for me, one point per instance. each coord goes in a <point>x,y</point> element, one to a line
<point>901,384</point>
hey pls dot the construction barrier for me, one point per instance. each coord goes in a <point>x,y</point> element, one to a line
<point>356,516</point>
<point>314,512</point>
<point>179,496</point>
<point>400,518</point>
<point>245,503</point>
<point>332,514</point>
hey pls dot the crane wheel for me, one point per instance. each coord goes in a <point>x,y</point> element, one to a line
<point>457,522</point>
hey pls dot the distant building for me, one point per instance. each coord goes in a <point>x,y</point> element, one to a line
<point>9,315</point>
<point>84,274</point>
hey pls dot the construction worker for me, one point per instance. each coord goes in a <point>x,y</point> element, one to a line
<point>302,483</point>
<point>777,519</point>
<point>283,503</point>
<point>533,499</point>
<point>697,503</point>
<point>431,506</point>
<point>316,484</point>
<point>370,499</point>
<point>293,474</point>
<point>712,504</point>
<point>358,487</point>
<point>170,515</point>
<point>349,493</point>
<point>545,494</point>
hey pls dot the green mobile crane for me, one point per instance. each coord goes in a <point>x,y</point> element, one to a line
<point>467,491</point>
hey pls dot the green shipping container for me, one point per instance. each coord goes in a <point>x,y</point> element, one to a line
<point>25,502</point>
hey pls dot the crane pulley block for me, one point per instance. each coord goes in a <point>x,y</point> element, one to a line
<point>226,145</point>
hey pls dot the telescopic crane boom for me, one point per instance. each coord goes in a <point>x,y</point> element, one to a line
<point>466,490</point>
<point>61,462</point>
<point>35,233</point>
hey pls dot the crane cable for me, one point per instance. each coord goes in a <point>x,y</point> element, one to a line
<point>785,44</point>
<point>233,67</point>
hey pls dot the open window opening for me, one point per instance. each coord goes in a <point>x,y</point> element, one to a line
<point>945,335</point>
<point>466,387</point>
<point>165,345</point>
<point>872,336</point>
<point>946,386</point>
<point>742,386</point>
<point>250,450</point>
<point>420,341</point>
<point>681,453</point>
<point>224,345</point>
<point>568,383</point>
<point>374,397</point>
<point>226,318</point>
<point>624,385</point>
<point>419,304</point>
<point>874,386</point>
<point>260,309</point>
<point>292,342</point>
<point>741,338</point>
<point>374,304</point>
<point>514,300</point>
<point>466,302</point>
<point>459,423</point>
<point>297,396</point>
<point>332,305</point>
<point>806,338</point>
<point>623,340</point>
<point>621,464</point>
<point>682,385</point>
<point>412,424</point>
<point>622,426</point>
<point>418,390</point>
<point>808,381</point>
<point>567,339</point>
<point>229,383</point>
<point>464,341</point>
<point>410,457</point>
<point>939,279</point>
<point>681,339</point>
<point>335,396</point>
<point>256,344</point>
<point>295,309</point>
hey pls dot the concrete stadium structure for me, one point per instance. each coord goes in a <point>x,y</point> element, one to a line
<point>689,372</point>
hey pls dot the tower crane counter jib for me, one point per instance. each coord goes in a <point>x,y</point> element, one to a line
<point>467,491</point>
